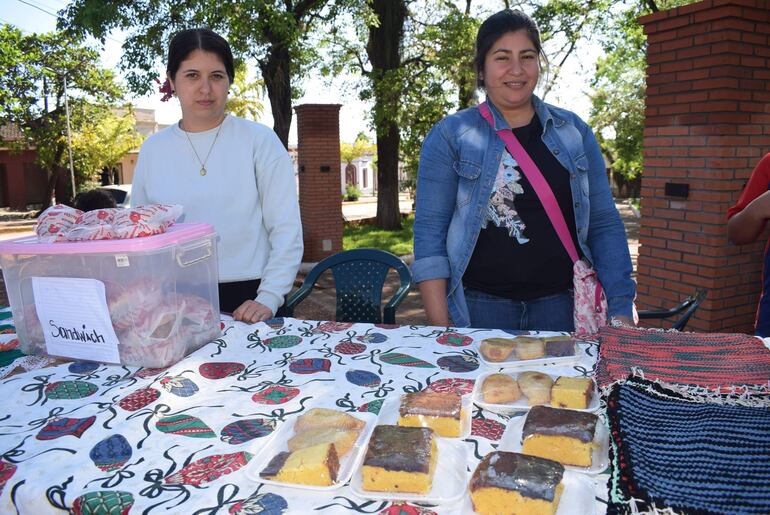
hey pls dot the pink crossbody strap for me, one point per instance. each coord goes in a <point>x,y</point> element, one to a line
<point>538,182</point>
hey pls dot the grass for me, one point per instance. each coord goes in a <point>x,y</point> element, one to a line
<point>397,242</point>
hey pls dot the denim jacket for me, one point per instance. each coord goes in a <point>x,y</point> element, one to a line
<point>458,165</point>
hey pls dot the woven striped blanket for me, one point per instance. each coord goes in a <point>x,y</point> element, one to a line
<point>704,359</point>
<point>677,453</point>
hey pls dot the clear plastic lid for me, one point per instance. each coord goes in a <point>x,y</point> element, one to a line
<point>600,458</point>
<point>522,403</point>
<point>279,443</point>
<point>174,235</point>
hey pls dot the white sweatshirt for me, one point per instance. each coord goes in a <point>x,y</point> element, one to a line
<point>248,194</point>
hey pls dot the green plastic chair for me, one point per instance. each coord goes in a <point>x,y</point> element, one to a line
<point>359,277</point>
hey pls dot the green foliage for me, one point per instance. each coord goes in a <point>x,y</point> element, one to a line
<point>439,75</point>
<point>349,152</point>
<point>245,98</point>
<point>352,193</point>
<point>617,112</point>
<point>398,242</point>
<point>273,32</point>
<point>102,139</point>
<point>32,91</point>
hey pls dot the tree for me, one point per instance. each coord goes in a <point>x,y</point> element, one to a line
<point>440,75</point>
<point>617,105</point>
<point>32,92</point>
<point>417,65</point>
<point>245,99</point>
<point>273,32</point>
<point>384,51</point>
<point>102,137</point>
<point>349,152</point>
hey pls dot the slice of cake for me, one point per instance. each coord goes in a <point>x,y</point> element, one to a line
<point>500,389</point>
<point>323,417</point>
<point>559,346</point>
<point>317,465</point>
<point>440,411</point>
<point>343,439</point>
<point>572,392</point>
<point>536,386</point>
<point>509,482</point>
<point>496,349</point>
<point>400,459</point>
<point>562,435</point>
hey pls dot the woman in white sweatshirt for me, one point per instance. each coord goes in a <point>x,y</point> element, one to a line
<point>232,173</point>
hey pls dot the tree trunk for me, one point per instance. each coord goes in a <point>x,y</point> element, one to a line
<point>276,74</point>
<point>383,48</point>
<point>53,179</point>
<point>388,212</point>
<point>466,87</point>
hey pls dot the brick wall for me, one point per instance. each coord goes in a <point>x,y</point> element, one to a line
<point>320,201</point>
<point>707,124</point>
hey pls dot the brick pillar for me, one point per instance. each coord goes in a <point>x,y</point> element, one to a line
<point>707,124</point>
<point>320,198</point>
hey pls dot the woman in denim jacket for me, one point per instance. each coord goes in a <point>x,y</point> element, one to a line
<point>486,254</point>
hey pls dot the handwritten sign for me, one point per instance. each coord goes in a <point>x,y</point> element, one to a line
<point>75,319</point>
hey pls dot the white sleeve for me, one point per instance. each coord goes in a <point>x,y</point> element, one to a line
<point>281,219</point>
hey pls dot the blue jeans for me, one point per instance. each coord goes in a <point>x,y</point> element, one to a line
<point>550,313</point>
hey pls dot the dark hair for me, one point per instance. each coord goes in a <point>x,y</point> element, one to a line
<point>495,27</point>
<point>187,41</point>
<point>93,199</point>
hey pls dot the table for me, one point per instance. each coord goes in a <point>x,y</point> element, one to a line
<point>70,431</point>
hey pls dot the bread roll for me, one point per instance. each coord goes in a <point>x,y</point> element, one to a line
<point>529,348</point>
<point>536,386</point>
<point>500,389</point>
<point>497,349</point>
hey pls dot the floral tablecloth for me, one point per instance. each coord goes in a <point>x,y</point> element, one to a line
<point>95,438</point>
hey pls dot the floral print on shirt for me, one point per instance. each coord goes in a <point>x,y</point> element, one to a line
<point>501,210</point>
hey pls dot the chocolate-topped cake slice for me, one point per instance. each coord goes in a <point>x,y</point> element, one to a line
<point>440,411</point>
<point>509,482</point>
<point>317,465</point>
<point>563,435</point>
<point>559,346</point>
<point>400,459</point>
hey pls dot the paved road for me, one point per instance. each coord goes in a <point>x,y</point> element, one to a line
<point>366,207</point>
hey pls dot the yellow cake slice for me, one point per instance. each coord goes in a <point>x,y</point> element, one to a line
<point>440,411</point>
<point>400,459</point>
<point>509,482</point>
<point>572,392</point>
<point>561,435</point>
<point>317,465</point>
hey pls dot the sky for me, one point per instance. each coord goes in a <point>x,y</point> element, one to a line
<point>40,16</point>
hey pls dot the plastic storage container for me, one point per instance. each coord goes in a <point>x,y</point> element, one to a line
<point>159,296</point>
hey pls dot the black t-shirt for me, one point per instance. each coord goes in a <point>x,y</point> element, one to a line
<point>518,255</point>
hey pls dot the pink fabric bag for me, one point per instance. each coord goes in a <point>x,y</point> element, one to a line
<point>590,311</point>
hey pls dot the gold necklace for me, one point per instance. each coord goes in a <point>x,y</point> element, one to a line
<point>203,162</point>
